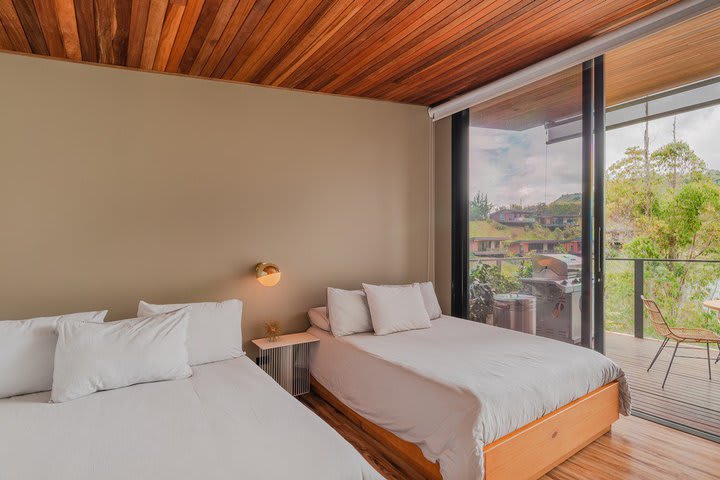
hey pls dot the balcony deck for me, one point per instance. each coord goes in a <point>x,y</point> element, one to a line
<point>689,398</point>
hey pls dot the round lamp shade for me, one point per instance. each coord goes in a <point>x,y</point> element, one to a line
<point>268,274</point>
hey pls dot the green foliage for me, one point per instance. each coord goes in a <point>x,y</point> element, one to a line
<point>486,280</point>
<point>671,203</point>
<point>677,161</point>
<point>642,247</point>
<point>493,276</point>
<point>480,207</point>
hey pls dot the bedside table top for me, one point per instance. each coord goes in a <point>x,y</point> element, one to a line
<point>285,340</point>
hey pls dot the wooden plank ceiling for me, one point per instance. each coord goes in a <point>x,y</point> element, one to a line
<point>413,51</point>
<point>684,53</point>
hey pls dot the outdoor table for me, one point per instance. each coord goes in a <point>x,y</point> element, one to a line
<point>712,304</point>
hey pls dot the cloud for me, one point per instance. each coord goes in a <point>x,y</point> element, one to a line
<point>517,167</point>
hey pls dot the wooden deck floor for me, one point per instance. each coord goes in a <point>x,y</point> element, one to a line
<point>689,397</point>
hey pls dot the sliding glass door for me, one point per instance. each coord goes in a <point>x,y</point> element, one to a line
<point>523,208</point>
<point>663,212</point>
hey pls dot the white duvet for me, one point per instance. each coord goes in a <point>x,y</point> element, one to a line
<point>459,385</point>
<point>229,421</point>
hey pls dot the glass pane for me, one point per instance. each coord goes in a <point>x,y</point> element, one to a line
<point>663,211</point>
<point>525,188</point>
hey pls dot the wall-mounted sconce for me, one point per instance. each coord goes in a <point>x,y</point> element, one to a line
<point>268,274</point>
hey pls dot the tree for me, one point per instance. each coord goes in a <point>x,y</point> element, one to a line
<point>480,207</point>
<point>677,161</point>
<point>632,189</point>
<point>672,203</point>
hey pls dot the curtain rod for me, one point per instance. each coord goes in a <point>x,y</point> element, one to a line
<point>576,55</point>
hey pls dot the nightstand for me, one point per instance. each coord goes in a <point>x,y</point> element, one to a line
<point>287,360</point>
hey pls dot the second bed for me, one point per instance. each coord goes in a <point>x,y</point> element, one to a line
<point>458,387</point>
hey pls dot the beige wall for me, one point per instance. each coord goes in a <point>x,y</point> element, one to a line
<point>443,210</point>
<point>118,186</point>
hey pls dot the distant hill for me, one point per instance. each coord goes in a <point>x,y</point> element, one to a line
<point>569,198</point>
<point>568,204</point>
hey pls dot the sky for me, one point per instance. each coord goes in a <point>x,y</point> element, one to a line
<point>517,167</point>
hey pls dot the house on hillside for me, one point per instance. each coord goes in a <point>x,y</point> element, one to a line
<point>558,221</point>
<point>524,247</point>
<point>513,218</point>
<point>488,246</point>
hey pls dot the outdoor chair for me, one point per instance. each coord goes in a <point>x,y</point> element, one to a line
<point>679,335</point>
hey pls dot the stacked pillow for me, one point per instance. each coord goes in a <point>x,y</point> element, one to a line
<point>76,355</point>
<point>90,358</point>
<point>214,330</point>
<point>27,351</point>
<point>381,309</point>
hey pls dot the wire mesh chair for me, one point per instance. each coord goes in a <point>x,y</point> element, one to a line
<point>679,335</point>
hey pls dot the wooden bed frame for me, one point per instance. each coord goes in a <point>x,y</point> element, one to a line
<point>526,453</point>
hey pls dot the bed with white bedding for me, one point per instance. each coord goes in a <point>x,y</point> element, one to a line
<point>228,421</point>
<point>459,385</point>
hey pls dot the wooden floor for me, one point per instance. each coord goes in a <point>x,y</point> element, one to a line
<point>634,449</point>
<point>689,397</point>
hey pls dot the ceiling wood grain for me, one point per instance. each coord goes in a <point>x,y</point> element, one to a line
<point>415,51</point>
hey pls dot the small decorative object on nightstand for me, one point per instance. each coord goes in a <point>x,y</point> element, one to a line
<point>272,331</point>
<point>287,360</point>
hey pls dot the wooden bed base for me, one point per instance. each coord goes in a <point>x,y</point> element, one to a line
<point>526,453</point>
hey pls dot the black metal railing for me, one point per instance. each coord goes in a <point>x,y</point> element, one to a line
<point>639,285</point>
<point>638,289</point>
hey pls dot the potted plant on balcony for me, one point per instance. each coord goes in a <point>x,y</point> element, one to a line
<point>486,281</point>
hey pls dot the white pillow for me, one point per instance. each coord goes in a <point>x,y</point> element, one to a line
<point>319,317</point>
<point>348,312</point>
<point>429,298</point>
<point>27,352</point>
<point>94,357</point>
<point>214,330</point>
<point>396,309</point>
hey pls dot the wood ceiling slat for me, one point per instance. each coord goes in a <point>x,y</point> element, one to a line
<point>251,22</point>
<point>223,16</point>
<point>31,25</point>
<point>415,51</point>
<point>502,30</point>
<point>136,38</point>
<point>174,15</point>
<point>156,17</point>
<point>345,42</point>
<point>13,27</point>
<point>493,57</point>
<point>398,32</point>
<point>345,18</point>
<point>85,15</point>
<point>121,31</point>
<point>286,25</point>
<point>5,43</point>
<point>457,36</point>
<point>49,24</point>
<point>105,29</point>
<point>242,14</point>
<point>433,46</point>
<point>293,44</point>
<point>271,14</point>
<point>185,31</point>
<point>508,61</point>
<point>67,22</point>
<point>203,25</point>
<point>326,20</point>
